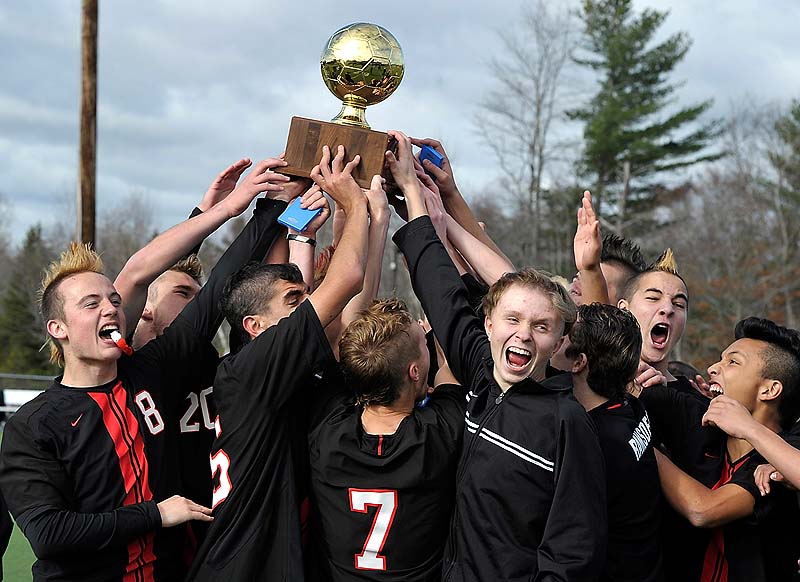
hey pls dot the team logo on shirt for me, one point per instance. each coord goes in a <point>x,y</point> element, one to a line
<point>641,437</point>
<point>75,422</point>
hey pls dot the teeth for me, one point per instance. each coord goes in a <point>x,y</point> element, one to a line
<point>519,351</point>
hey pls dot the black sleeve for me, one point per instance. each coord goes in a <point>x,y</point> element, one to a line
<point>195,212</point>
<point>6,527</point>
<point>186,341</point>
<point>765,505</point>
<point>448,403</point>
<point>277,362</point>
<point>573,546</point>
<point>676,421</point>
<point>36,486</point>
<point>476,291</point>
<point>445,300</point>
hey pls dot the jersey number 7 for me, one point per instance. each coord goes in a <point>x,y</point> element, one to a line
<point>386,502</point>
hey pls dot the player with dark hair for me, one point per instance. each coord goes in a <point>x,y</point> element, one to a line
<point>738,533</point>
<point>383,469</point>
<point>530,490</point>
<point>87,467</point>
<point>256,529</point>
<point>620,260</point>
<point>605,348</point>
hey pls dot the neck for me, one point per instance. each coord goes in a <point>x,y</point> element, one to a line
<point>738,448</point>
<point>378,419</point>
<point>663,367</point>
<point>585,395</point>
<point>79,374</point>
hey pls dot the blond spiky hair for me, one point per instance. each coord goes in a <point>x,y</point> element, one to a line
<point>78,258</point>
<point>191,266</point>
<point>666,262</point>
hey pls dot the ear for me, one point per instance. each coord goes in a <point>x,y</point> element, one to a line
<point>413,372</point>
<point>487,325</point>
<point>579,363</point>
<point>56,329</point>
<point>770,390</point>
<point>622,304</point>
<point>252,325</point>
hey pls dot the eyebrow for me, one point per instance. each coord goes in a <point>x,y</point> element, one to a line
<point>660,292</point>
<point>292,293</point>
<point>87,297</point>
<point>182,288</point>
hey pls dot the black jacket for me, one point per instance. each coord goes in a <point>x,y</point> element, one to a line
<point>530,489</point>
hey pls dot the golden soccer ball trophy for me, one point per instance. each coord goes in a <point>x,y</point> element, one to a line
<point>362,64</point>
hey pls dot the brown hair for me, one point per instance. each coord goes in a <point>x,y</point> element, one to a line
<point>534,279</point>
<point>376,349</point>
<point>191,266</point>
<point>78,258</point>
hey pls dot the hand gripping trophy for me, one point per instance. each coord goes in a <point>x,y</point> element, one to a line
<point>362,64</point>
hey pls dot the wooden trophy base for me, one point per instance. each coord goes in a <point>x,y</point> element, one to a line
<point>307,136</point>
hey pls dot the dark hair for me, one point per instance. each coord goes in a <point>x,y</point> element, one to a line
<point>624,252</point>
<point>780,361</point>
<point>249,290</point>
<point>375,351</point>
<point>611,339</point>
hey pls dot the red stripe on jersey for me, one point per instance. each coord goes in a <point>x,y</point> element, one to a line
<point>123,428</point>
<point>614,406</point>
<point>380,445</point>
<point>715,564</point>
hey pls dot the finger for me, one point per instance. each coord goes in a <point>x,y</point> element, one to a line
<point>418,166</point>
<point>776,476</point>
<point>269,187</point>
<point>321,202</point>
<point>435,144</point>
<point>267,177</point>
<point>390,157</point>
<point>338,160</point>
<point>275,162</point>
<point>438,174</point>
<point>197,516</point>
<point>377,182</point>
<point>351,165</point>
<point>325,163</point>
<point>761,482</point>
<point>316,176</point>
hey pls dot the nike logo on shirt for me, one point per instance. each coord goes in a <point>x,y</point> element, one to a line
<point>77,420</point>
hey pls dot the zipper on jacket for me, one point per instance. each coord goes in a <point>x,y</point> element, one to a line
<point>451,539</point>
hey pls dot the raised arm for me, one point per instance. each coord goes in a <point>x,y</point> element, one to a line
<point>703,507</point>
<point>435,279</point>
<point>302,244</point>
<point>487,264</point>
<point>587,246</point>
<point>454,202</point>
<point>167,248</point>
<point>345,276</point>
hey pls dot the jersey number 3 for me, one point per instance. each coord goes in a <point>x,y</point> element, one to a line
<point>386,502</point>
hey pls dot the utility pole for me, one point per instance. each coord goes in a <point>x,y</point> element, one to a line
<point>88,136</point>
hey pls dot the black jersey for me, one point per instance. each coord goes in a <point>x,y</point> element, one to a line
<point>256,532</point>
<point>760,547</point>
<point>382,503</point>
<point>83,468</point>
<point>634,545</point>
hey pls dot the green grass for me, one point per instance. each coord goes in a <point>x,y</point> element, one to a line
<point>18,559</point>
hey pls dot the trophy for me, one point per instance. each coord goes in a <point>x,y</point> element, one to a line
<point>362,64</point>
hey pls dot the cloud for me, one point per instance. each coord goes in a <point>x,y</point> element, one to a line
<point>186,88</point>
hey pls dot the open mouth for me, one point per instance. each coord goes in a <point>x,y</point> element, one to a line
<point>517,358</point>
<point>659,335</point>
<point>715,389</point>
<point>107,330</point>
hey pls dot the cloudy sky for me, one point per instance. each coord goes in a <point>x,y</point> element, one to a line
<point>185,88</point>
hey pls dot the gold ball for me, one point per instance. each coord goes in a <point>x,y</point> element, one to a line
<point>364,60</point>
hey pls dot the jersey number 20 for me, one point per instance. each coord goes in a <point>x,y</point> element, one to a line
<point>386,502</point>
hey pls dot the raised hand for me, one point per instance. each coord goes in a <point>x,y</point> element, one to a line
<point>314,199</point>
<point>224,184</point>
<point>444,175</point>
<point>177,510</point>
<point>588,243</point>
<point>336,178</point>
<point>436,211</point>
<point>260,179</point>
<point>764,475</point>
<point>377,202</point>
<point>730,416</point>
<point>405,176</point>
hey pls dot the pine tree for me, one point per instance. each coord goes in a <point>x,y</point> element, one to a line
<point>21,332</point>
<point>630,139</point>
